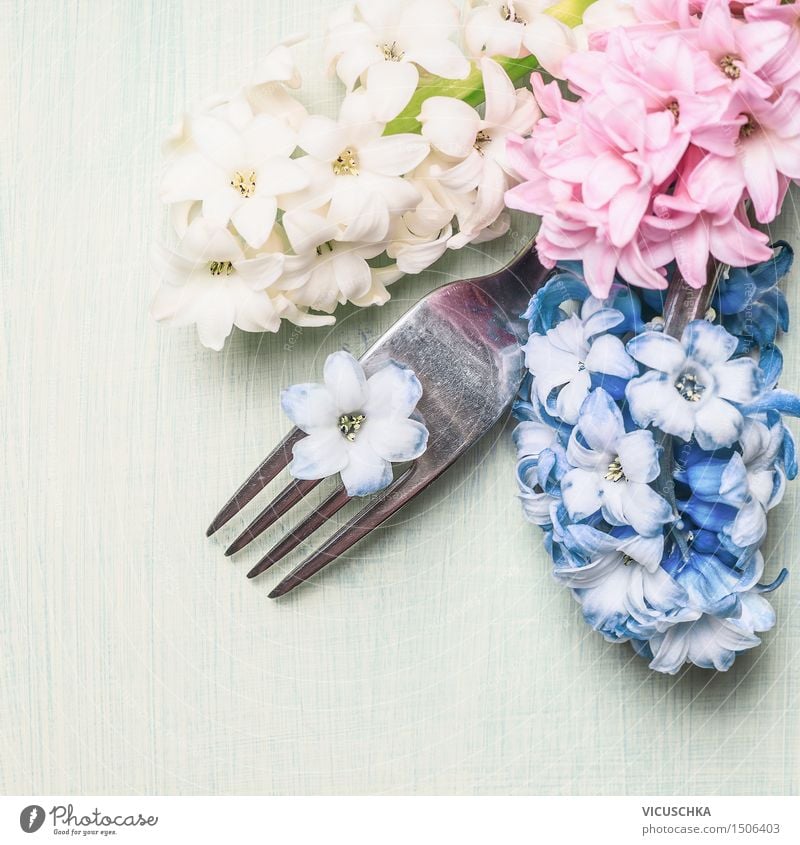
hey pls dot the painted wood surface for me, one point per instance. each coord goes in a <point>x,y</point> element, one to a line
<point>440,657</point>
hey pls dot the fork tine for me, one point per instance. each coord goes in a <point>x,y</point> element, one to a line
<point>277,460</point>
<point>359,526</point>
<point>283,502</point>
<point>335,502</point>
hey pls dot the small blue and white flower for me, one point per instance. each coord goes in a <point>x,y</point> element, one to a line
<point>617,578</point>
<point>622,599</point>
<point>571,353</point>
<point>356,426</point>
<point>583,540</point>
<point>752,482</point>
<point>762,445</point>
<point>713,578</point>
<point>711,642</point>
<point>540,466</point>
<point>692,387</point>
<point>613,470</point>
<point>750,303</point>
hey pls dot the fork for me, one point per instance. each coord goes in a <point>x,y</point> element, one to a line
<point>463,342</point>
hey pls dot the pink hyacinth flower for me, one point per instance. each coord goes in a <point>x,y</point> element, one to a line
<point>694,231</point>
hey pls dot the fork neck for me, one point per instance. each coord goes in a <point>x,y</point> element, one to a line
<point>516,283</point>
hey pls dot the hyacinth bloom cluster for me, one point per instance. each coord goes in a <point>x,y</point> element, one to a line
<point>685,125</point>
<point>284,215</point>
<point>651,462</point>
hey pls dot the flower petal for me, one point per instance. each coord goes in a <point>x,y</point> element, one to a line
<point>351,196</point>
<point>265,137</point>
<point>501,97</point>
<point>645,550</point>
<point>322,137</point>
<point>395,439</point>
<point>393,392</point>
<point>366,472</point>
<point>218,141</point>
<point>671,649</point>
<point>761,178</point>
<point>393,155</point>
<point>581,493</point>
<point>354,61</point>
<point>254,219</point>
<point>307,230</point>
<point>261,272</point>
<point>644,509</point>
<point>389,88</point>
<point>737,380</point>
<point>530,438</point>
<point>319,455</point>
<point>607,355</point>
<point>707,343</point>
<point>371,223</point>
<point>657,351</point>
<point>625,212</point>
<point>652,398</point>
<point>309,406</point>
<point>638,456</point>
<point>214,314</point>
<point>750,526</point>
<point>550,41</point>
<point>218,206</point>
<point>450,125</point>
<point>204,241</point>
<point>278,175</point>
<point>352,275</point>
<point>572,395</point>
<point>717,480</point>
<point>190,177</point>
<point>345,379</point>
<point>440,57</point>
<point>717,424</point>
<point>601,422</point>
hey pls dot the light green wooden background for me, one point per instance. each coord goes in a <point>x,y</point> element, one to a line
<point>439,658</point>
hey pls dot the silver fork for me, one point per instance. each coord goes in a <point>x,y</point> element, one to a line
<point>462,340</point>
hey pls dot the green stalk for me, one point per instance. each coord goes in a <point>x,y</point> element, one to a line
<point>470,90</point>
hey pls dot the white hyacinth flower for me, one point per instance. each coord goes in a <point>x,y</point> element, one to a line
<point>693,385</point>
<point>267,92</point>
<point>476,147</point>
<point>209,282</point>
<point>382,43</point>
<point>497,27</point>
<point>237,165</point>
<point>358,170</point>
<point>356,426</point>
<point>329,269</point>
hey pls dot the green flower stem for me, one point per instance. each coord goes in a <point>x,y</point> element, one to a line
<point>470,90</point>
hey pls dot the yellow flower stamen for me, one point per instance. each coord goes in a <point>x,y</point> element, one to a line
<point>615,472</point>
<point>220,268</point>
<point>350,424</point>
<point>391,52</point>
<point>729,67</point>
<point>689,387</point>
<point>244,182</point>
<point>346,163</point>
